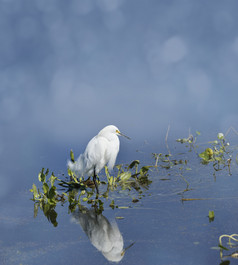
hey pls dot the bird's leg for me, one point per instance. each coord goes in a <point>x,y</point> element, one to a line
<point>94,180</point>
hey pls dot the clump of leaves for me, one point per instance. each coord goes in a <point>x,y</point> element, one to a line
<point>49,193</point>
<point>217,153</point>
<point>48,198</point>
<point>128,178</point>
<point>78,191</point>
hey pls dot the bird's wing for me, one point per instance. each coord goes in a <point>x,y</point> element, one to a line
<point>95,154</point>
<point>112,154</point>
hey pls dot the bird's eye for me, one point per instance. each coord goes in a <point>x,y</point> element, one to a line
<point>117,131</point>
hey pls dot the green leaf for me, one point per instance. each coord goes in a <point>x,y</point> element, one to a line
<point>36,206</point>
<point>211,216</point>
<point>45,207</point>
<point>52,192</point>
<point>107,172</point>
<point>35,192</point>
<point>218,158</point>
<point>125,176</point>
<point>110,180</point>
<point>45,188</point>
<point>52,179</point>
<point>204,156</point>
<point>41,175</point>
<point>144,170</point>
<point>134,163</point>
<point>47,172</point>
<point>72,156</point>
<point>50,213</point>
<point>52,216</point>
<point>207,154</point>
<point>72,176</point>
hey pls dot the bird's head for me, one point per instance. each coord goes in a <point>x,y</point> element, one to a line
<point>111,129</point>
<point>121,134</point>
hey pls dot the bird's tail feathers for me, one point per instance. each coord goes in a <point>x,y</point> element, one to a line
<point>77,166</point>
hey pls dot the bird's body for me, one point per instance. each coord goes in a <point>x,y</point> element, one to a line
<point>101,150</point>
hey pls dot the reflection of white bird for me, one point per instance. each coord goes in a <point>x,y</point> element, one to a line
<point>104,236</point>
<point>101,150</point>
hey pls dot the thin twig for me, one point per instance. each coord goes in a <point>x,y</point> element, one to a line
<point>231,237</point>
<point>166,139</point>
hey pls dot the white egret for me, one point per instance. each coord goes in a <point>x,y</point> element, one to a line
<point>101,150</point>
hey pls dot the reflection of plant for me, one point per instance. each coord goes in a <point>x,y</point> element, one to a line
<point>168,162</point>
<point>47,199</point>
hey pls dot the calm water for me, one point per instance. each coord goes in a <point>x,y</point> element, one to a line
<point>163,228</point>
<point>69,68</point>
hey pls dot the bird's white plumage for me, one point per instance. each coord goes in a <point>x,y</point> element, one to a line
<point>101,150</point>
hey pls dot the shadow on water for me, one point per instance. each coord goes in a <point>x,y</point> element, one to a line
<point>174,195</point>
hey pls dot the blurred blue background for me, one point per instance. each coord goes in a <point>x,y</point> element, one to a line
<point>68,68</point>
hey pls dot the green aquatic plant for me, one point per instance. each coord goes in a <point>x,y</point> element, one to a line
<point>217,154</point>
<point>133,179</point>
<point>78,191</point>
<point>49,194</point>
<point>211,216</point>
<point>190,141</point>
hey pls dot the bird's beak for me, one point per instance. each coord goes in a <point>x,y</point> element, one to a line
<point>118,132</point>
